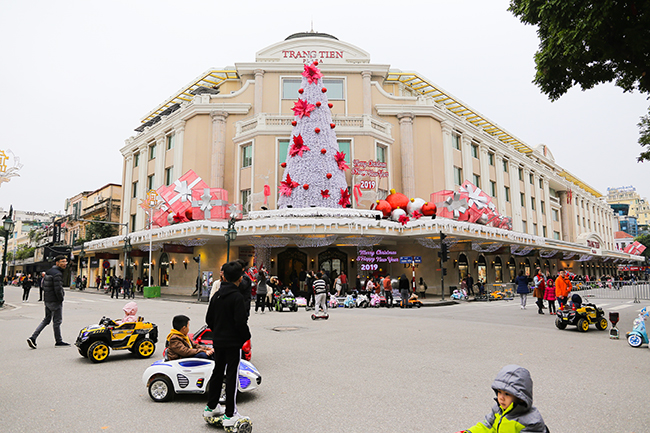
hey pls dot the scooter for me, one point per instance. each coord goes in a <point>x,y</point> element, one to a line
<point>320,316</point>
<point>638,335</point>
<point>362,301</point>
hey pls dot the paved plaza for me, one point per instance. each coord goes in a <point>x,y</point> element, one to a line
<point>372,370</point>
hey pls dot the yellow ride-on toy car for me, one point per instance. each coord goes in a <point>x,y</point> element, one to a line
<point>581,315</point>
<point>95,341</point>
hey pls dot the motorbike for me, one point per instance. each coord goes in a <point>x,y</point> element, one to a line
<point>638,335</point>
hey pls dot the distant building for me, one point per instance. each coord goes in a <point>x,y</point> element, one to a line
<point>623,239</point>
<point>639,208</point>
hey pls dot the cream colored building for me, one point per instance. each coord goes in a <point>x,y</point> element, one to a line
<point>639,207</point>
<point>232,126</point>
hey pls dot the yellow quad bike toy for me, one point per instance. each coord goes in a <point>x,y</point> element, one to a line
<point>581,315</point>
<point>96,341</point>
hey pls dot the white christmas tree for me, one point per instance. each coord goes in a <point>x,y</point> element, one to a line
<point>314,172</point>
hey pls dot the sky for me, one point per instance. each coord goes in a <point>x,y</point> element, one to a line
<point>78,76</point>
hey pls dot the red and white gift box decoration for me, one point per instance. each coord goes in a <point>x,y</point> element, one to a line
<point>178,195</point>
<point>476,198</point>
<point>636,248</point>
<point>209,203</point>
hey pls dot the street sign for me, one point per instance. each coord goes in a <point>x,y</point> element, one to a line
<point>106,264</point>
<point>417,259</point>
<point>406,259</point>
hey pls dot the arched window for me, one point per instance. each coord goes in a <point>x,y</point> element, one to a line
<point>512,268</point>
<point>498,270</point>
<point>482,269</point>
<point>164,270</point>
<point>462,266</point>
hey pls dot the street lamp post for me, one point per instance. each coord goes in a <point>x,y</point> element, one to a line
<point>127,256</point>
<point>82,255</point>
<point>8,225</point>
<point>230,235</point>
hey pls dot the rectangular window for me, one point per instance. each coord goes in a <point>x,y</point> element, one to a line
<point>543,207</point>
<point>507,190</point>
<point>541,184</point>
<point>335,88</point>
<point>524,226</point>
<point>556,236</point>
<point>245,194</point>
<point>170,141</point>
<point>458,176</point>
<point>505,165</point>
<point>152,151</point>
<point>556,215</point>
<point>136,159</point>
<point>522,198</point>
<point>246,156</point>
<point>283,150</point>
<point>476,179</point>
<point>134,190</point>
<point>530,179</point>
<point>544,231</point>
<point>150,182</point>
<point>381,153</point>
<point>532,203</point>
<point>493,188</point>
<point>455,141</point>
<point>132,228</point>
<point>475,151</point>
<point>535,229</point>
<point>169,175</point>
<point>491,158</point>
<point>521,173</point>
<point>345,146</point>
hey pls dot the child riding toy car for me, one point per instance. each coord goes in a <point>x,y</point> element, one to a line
<point>95,341</point>
<point>581,315</point>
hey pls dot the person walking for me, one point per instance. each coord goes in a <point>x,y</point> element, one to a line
<point>522,288</point>
<point>40,287</point>
<point>470,285</point>
<point>549,295</point>
<point>388,291</point>
<point>227,317</point>
<point>128,289</point>
<point>404,290</point>
<point>53,296</point>
<point>540,290</point>
<point>344,282</point>
<point>562,289</point>
<point>320,292</point>
<point>309,284</point>
<point>27,286</point>
<point>260,297</point>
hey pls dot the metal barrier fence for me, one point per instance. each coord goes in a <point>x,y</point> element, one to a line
<point>613,290</point>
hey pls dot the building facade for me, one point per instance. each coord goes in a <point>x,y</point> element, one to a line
<point>232,126</point>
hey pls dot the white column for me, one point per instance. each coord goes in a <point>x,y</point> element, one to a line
<point>548,210</point>
<point>218,148</point>
<point>501,194</point>
<point>485,169</point>
<point>179,140</point>
<point>448,155</point>
<point>527,201</point>
<point>515,197</point>
<point>159,168</point>
<point>259,89</point>
<point>142,184</point>
<point>539,194</point>
<point>468,167</point>
<point>367,96</point>
<point>127,190</point>
<point>407,154</point>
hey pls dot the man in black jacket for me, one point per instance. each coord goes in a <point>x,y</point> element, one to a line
<point>53,297</point>
<point>228,319</point>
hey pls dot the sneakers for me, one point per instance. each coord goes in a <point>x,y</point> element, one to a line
<point>213,413</point>
<point>62,344</point>
<point>230,422</point>
<point>31,342</point>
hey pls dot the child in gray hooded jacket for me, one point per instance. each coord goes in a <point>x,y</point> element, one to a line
<point>514,411</point>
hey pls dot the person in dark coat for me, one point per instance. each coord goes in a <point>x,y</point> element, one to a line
<point>53,296</point>
<point>27,286</point>
<point>404,289</point>
<point>246,287</point>
<point>40,286</point>
<point>522,288</point>
<point>227,317</point>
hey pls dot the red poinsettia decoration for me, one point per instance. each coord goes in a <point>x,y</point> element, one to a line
<point>179,218</point>
<point>312,73</point>
<point>298,146</point>
<point>403,219</point>
<point>325,193</point>
<point>345,197</point>
<point>340,160</point>
<point>303,108</point>
<point>416,215</point>
<point>287,186</point>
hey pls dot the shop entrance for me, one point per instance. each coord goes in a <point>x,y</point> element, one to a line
<point>333,261</point>
<point>290,263</point>
<point>164,265</point>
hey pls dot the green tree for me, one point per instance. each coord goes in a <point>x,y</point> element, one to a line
<point>588,42</point>
<point>98,230</point>
<point>644,139</point>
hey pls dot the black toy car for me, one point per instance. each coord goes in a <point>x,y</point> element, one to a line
<point>581,315</point>
<point>95,341</point>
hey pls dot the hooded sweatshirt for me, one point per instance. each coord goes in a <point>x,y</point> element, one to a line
<point>180,346</point>
<point>130,311</point>
<point>520,416</point>
<point>227,317</point>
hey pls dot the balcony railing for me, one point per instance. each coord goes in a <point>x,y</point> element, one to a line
<point>282,123</point>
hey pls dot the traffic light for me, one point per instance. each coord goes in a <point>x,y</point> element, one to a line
<point>443,248</point>
<point>444,271</point>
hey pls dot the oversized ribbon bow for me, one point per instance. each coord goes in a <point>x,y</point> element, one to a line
<point>476,196</point>
<point>357,192</point>
<point>456,205</point>
<point>207,203</point>
<point>184,190</point>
